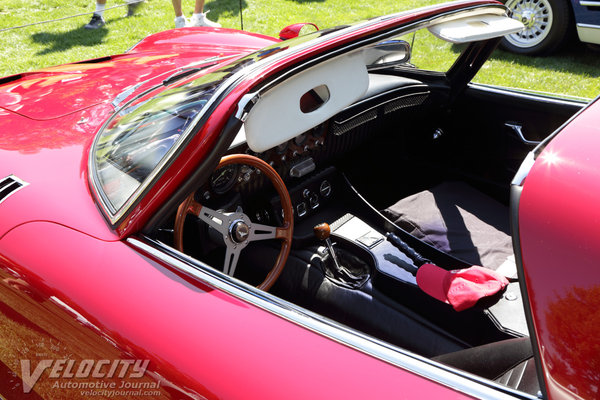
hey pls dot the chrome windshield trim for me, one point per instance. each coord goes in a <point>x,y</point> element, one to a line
<point>115,216</point>
<point>453,378</point>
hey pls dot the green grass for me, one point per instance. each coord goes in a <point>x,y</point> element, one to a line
<point>573,71</point>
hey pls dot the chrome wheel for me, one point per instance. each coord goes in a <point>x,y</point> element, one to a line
<point>536,15</point>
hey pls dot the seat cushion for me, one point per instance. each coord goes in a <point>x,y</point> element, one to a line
<point>461,221</point>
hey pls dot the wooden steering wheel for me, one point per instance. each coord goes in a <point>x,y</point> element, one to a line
<point>236,227</point>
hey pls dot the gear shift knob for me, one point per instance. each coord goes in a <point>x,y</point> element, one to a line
<point>322,231</point>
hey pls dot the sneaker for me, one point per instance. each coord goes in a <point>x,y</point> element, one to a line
<point>96,22</point>
<point>201,20</point>
<point>181,22</point>
<point>132,7</point>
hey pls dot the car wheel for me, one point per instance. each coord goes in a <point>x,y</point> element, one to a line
<point>546,26</point>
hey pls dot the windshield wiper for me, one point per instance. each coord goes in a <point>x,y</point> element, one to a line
<point>182,74</point>
<point>187,71</point>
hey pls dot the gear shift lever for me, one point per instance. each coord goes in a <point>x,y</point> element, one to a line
<point>322,232</point>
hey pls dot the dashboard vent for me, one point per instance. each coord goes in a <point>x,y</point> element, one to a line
<point>10,185</point>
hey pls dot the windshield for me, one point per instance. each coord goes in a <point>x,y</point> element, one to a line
<point>138,137</point>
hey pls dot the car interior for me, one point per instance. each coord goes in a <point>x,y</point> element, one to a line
<point>416,168</point>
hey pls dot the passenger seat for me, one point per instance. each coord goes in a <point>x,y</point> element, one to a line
<point>461,221</point>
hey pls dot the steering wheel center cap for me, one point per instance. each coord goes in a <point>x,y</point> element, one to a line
<point>239,231</point>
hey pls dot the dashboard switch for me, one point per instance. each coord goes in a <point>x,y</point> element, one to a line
<point>325,188</point>
<point>314,201</point>
<point>301,209</point>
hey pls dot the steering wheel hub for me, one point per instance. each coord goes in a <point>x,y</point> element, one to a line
<point>239,231</point>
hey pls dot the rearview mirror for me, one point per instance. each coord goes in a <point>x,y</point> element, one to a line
<point>385,54</point>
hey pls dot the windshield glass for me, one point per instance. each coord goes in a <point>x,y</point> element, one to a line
<point>139,136</point>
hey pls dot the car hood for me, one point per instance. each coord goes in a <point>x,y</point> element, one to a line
<point>77,86</point>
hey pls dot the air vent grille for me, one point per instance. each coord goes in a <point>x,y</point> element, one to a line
<point>10,185</point>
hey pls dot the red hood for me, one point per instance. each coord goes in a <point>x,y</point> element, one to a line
<point>74,87</point>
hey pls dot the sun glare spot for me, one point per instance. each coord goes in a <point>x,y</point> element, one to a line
<point>551,158</point>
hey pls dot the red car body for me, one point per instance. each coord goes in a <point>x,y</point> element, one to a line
<point>76,286</point>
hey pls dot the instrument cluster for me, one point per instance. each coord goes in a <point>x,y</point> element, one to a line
<point>283,158</point>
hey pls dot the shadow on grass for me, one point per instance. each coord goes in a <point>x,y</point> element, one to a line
<point>61,41</point>
<point>226,8</point>
<point>576,58</point>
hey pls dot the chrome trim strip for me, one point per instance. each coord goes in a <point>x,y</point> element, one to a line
<point>455,379</point>
<point>589,25</point>
<point>589,4</point>
<point>21,183</point>
<point>116,215</point>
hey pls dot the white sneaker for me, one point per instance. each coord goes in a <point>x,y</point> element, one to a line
<point>201,20</point>
<point>181,22</point>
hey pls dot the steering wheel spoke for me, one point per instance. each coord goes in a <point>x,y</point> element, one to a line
<point>214,219</point>
<point>261,232</point>
<point>232,255</point>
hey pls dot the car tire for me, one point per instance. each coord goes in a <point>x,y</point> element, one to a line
<point>547,26</point>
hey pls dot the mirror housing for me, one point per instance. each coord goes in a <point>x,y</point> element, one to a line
<point>292,31</point>
<point>387,53</point>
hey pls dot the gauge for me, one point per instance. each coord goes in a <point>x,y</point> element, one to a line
<point>224,178</point>
<point>300,138</point>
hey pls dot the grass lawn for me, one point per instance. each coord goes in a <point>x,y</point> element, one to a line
<point>572,71</point>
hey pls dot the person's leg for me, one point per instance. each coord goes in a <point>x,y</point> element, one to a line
<point>180,20</point>
<point>97,20</point>
<point>199,17</point>
<point>100,5</point>
<point>199,7</point>
<point>177,8</point>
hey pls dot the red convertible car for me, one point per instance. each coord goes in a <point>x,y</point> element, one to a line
<point>221,214</point>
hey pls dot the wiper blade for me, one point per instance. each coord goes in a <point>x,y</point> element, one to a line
<point>184,72</point>
<point>181,74</point>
